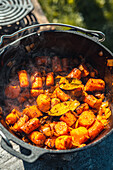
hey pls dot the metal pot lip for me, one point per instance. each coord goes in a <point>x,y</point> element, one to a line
<point>18,141</point>
<point>85,35</point>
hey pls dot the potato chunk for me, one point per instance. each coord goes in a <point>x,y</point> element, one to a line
<point>69,118</point>
<point>95,85</point>
<point>23,78</point>
<point>75,73</point>
<point>79,135</point>
<point>43,102</point>
<point>37,137</point>
<point>32,111</point>
<point>63,142</point>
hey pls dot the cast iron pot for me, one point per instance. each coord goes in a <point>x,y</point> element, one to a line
<point>72,41</point>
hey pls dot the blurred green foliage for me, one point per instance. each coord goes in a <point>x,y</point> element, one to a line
<point>90,14</point>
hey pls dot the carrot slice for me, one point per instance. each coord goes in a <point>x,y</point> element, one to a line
<point>61,95</point>
<point>95,129</point>
<point>60,128</point>
<point>92,101</point>
<point>31,125</point>
<point>86,118</point>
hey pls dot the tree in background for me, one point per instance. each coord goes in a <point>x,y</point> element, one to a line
<point>90,14</point>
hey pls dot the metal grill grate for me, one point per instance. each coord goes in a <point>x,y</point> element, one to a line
<point>12,11</point>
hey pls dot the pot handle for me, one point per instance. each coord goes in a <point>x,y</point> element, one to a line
<point>34,153</point>
<point>28,31</point>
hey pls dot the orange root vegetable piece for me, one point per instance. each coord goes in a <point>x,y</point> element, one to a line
<point>63,142</point>
<point>50,143</point>
<point>56,64</point>
<point>94,84</point>
<point>75,73</point>
<point>23,78</point>
<point>54,101</point>
<point>36,92</point>
<point>68,118</point>
<point>32,111</point>
<point>79,135</point>
<point>37,137</point>
<point>95,129</point>
<point>50,79</point>
<point>92,101</point>
<point>12,92</point>
<point>36,80</point>
<point>86,118</point>
<point>61,95</point>
<point>84,70</point>
<point>81,108</point>
<point>43,102</point>
<point>46,130</point>
<point>21,121</point>
<point>65,64</point>
<point>31,125</point>
<point>61,128</point>
<point>12,117</point>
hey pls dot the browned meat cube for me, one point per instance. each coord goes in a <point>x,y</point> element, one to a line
<point>43,60</point>
<point>56,64</point>
<point>12,92</point>
<point>65,64</point>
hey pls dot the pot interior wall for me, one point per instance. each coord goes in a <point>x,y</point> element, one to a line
<point>68,44</point>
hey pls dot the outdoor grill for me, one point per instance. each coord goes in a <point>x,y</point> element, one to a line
<point>68,42</point>
<point>15,15</point>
